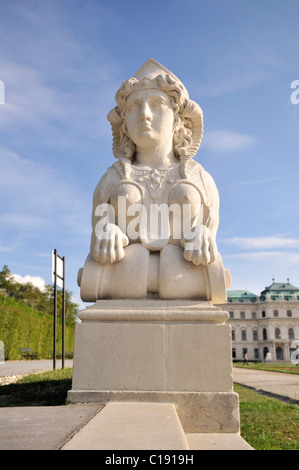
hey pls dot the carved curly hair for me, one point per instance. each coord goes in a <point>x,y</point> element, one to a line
<point>182,138</point>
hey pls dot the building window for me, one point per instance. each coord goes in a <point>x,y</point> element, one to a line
<point>255,337</point>
<point>264,333</point>
<point>256,353</point>
<point>277,333</point>
<point>242,315</point>
<point>231,314</point>
<point>253,315</point>
<point>279,353</point>
<point>234,353</point>
<point>275,313</point>
<point>233,335</point>
<point>244,336</point>
<point>291,333</point>
<point>289,313</point>
<point>263,313</point>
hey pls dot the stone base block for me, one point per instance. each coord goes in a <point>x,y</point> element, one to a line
<point>199,412</point>
<point>152,357</point>
<point>158,351</point>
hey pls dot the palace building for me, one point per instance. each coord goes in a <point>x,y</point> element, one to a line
<point>266,325</point>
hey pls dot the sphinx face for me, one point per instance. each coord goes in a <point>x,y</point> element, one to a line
<point>149,118</point>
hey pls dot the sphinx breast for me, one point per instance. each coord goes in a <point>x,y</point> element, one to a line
<point>185,195</point>
<point>124,195</point>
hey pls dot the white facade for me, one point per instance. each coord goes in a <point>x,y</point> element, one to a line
<point>264,328</point>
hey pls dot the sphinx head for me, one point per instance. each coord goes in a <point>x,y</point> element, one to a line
<point>153,79</point>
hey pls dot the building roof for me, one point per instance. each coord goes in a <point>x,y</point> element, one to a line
<point>241,296</point>
<point>278,289</point>
<point>281,287</point>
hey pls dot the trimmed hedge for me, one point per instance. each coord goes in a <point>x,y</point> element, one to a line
<point>23,327</point>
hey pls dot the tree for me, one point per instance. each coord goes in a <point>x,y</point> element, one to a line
<point>6,279</point>
<point>71,308</point>
<point>35,298</point>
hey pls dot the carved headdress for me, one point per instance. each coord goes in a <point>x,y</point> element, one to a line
<point>189,131</point>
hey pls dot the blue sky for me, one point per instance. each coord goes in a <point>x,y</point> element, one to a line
<point>62,61</point>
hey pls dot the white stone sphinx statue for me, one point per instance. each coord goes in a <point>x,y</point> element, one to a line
<point>156,210</point>
<point>153,333</point>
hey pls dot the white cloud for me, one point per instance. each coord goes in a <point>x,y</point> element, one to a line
<point>56,91</point>
<point>261,181</point>
<point>254,270</point>
<point>8,247</point>
<point>29,99</point>
<point>271,242</point>
<point>252,264</point>
<point>261,259</point>
<point>42,209</point>
<point>23,221</point>
<point>36,195</point>
<point>37,281</point>
<point>227,141</point>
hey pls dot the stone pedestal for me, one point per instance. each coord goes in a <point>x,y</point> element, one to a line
<point>158,351</point>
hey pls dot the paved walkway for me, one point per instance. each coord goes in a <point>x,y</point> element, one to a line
<point>279,384</point>
<point>71,426</point>
<point>10,368</point>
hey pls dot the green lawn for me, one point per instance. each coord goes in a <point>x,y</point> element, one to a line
<point>43,389</point>
<point>266,423</point>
